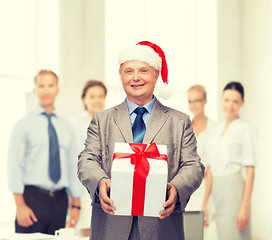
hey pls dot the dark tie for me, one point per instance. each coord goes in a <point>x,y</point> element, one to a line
<point>138,128</point>
<point>54,156</point>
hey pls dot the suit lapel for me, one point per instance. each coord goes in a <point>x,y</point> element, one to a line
<point>157,119</point>
<point>122,120</point>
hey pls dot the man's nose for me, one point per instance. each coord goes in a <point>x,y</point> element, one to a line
<point>136,76</point>
<point>46,90</point>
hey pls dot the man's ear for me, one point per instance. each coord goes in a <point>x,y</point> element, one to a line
<point>157,74</point>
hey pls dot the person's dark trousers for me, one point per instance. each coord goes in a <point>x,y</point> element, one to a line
<point>50,208</point>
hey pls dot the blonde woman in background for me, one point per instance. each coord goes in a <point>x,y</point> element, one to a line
<point>93,97</point>
<point>231,151</point>
<point>197,99</point>
<point>202,125</point>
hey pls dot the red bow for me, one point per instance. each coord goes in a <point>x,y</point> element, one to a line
<point>141,170</point>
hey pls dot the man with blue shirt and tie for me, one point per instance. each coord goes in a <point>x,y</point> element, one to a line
<point>42,166</point>
<point>141,118</point>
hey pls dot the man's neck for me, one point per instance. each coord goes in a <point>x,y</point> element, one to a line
<point>140,102</point>
<point>48,108</point>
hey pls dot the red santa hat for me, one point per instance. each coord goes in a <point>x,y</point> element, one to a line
<point>149,53</point>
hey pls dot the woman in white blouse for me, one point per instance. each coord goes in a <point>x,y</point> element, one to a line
<point>202,125</point>
<point>197,99</point>
<point>93,97</point>
<point>230,151</point>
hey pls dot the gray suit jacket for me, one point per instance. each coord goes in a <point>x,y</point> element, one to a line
<point>165,126</point>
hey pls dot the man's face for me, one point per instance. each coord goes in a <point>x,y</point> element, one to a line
<point>46,89</point>
<point>139,80</point>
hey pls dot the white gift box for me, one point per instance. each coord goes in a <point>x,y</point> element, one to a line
<point>142,197</point>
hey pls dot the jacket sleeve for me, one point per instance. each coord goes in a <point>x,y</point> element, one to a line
<point>191,170</point>
<point>90,159</point>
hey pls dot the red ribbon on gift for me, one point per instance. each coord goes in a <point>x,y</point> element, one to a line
<point>141,170</point>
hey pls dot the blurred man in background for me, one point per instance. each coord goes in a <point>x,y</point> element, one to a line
<point>41,164</point>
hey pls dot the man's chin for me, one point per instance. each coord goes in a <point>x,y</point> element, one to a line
<point>46,103</point>
<point>137,95</point>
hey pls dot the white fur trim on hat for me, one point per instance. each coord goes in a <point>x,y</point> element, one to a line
<point>140,53</point>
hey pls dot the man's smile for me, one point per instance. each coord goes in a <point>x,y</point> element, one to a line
<point>137,85</point>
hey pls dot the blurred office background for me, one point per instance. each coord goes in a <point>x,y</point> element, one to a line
<point>210,42</point>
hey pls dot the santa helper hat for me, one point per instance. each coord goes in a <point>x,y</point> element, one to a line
<point>149,53</point>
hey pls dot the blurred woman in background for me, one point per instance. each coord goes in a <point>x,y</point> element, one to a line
<point>230,150</point>
<point>197,100</point>
<point>93,97</point>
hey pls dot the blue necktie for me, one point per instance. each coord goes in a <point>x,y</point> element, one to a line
<point>138,128</point>
<point>54,156</point>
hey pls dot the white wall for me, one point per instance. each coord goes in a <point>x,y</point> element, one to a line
<point>82,50</point>
<point>18,38</point>
<point>229,45</point>
<point>256,75</point>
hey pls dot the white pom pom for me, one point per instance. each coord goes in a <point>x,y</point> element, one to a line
<point>165,92</point>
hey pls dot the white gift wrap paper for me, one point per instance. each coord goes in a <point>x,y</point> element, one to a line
<point>122,182</point>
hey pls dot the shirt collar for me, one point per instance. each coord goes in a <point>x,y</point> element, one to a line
<point>132,106</point>
<point>40,110</point>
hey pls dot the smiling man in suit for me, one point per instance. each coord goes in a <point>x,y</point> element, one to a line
<point>140,66</point>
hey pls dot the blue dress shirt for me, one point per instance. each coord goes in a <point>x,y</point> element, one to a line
<point>132,106</point>
<point>28,155</point>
